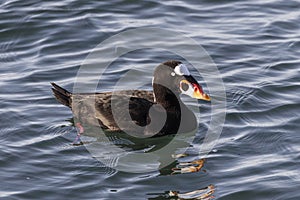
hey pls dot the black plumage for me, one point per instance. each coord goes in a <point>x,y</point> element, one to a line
<point>139,112</point>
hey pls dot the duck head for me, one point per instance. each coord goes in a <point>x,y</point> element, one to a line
<point>174,78</point>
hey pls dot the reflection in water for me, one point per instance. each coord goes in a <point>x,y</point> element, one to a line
<point>188,167</point>
<point>131,144</point>
<point>122,150</point>
<point>182,168</point>
<point>202,194</point>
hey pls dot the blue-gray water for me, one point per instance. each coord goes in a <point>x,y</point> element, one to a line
<point>255,44</point>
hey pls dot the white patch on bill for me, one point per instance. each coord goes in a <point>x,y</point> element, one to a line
<point>189,91</point>
<point>181,70</point>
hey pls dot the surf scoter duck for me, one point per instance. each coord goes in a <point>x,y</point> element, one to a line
<point>139,112</point>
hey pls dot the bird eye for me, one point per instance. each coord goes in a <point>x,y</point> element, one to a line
<point>184,86</point>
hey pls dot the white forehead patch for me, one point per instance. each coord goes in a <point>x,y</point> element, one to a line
<point>181,70</point>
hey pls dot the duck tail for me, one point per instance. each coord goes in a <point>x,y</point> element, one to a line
<point>62,95</point>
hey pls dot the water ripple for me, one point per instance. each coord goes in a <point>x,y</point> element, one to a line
<point>255,45</point>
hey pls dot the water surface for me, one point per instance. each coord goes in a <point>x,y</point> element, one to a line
<point>255,44</point>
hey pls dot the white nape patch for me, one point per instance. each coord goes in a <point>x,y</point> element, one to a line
<point>181,70</point>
